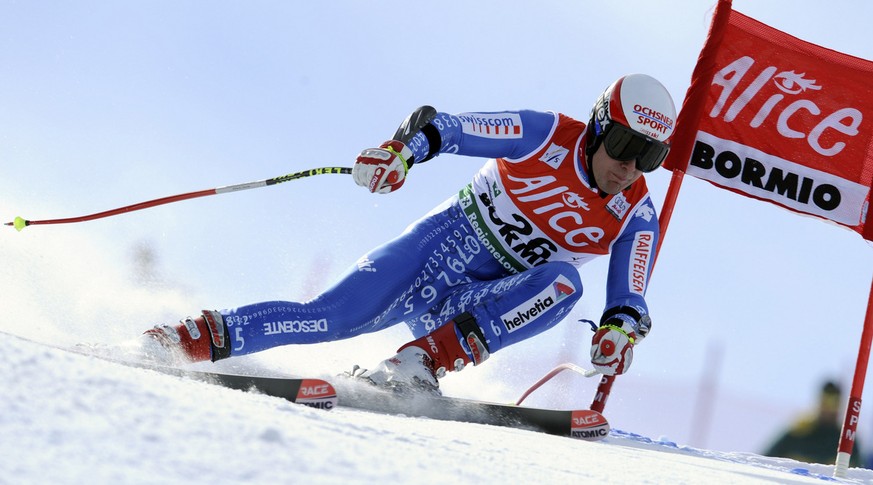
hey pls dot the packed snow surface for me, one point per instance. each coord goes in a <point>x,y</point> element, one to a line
<point>69,418</point>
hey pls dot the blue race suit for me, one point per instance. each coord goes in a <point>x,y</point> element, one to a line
<point>506,248</point>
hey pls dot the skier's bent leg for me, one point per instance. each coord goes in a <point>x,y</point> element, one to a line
<point>510,310</point>
<point>373,294</point>
<point>527,304</point>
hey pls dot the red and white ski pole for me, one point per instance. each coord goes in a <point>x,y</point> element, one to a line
<point>20,223</point>
<point>552,373</point>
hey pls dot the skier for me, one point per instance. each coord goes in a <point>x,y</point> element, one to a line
<point>497,262</point>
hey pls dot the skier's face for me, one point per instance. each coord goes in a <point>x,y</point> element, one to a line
<point>613,176</point>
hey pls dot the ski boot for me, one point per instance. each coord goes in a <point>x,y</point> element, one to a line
<point>198,339</point>
<point>420,364</point>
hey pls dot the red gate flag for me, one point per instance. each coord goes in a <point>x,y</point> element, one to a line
<point>779,119</point>
<point>788,122</point>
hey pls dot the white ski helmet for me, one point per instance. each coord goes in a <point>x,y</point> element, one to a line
<point>634,118</point>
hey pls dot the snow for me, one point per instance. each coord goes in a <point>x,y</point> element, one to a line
<point>68,418</point>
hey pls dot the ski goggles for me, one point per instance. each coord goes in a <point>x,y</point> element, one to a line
<point>624,144</point>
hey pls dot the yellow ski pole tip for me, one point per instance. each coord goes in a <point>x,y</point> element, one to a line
<point>19,224</point>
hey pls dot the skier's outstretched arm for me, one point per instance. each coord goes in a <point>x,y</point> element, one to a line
<point>427,133</point>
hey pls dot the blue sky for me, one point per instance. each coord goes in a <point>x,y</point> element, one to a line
<point>104,104</point>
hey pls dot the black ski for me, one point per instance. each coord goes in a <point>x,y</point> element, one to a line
<point>308,391</point>
<point>581,424</point>
<point>319,393</point>
<point>312,392</point>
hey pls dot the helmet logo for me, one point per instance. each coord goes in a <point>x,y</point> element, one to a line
<point>601,113</point>
<point>649,118</point>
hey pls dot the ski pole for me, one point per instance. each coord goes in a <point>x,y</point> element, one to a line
<point>20,223</point>
<point>552,373</point>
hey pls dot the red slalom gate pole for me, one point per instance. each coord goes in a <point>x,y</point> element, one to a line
<point>853,409</point>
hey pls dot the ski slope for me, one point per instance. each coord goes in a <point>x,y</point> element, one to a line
<point>67,418</point>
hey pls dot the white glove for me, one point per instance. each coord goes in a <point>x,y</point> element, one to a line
<point>612,347</point>
<point>383,170</point>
